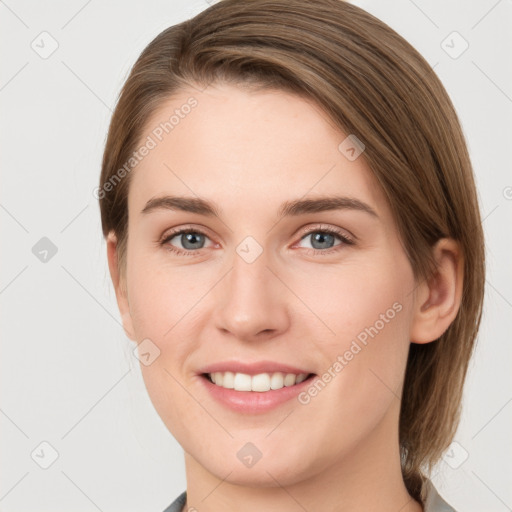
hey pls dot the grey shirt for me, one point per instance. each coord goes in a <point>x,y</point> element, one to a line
<point>433,501</point>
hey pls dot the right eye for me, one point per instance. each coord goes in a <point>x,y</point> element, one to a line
<point>191,240</point>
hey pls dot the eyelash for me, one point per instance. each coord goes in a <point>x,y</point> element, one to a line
<point>332,231</point>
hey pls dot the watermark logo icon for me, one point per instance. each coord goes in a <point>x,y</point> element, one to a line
<point>456,455</point>
<point>249,455</point>
<point>44,250</point>
<point>44,455</point>
<point>44,45</point>
<point>146,352</point>
<point>454,45</point>
<point>249,249</point>
<point>351,147</point>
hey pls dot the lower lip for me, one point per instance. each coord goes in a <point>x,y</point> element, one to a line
<point>254,401</point>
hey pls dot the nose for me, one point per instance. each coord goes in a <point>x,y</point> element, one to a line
<point>251,302</point>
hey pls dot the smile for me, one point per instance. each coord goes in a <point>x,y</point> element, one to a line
<point>254,394</point>
<point>261,382</point>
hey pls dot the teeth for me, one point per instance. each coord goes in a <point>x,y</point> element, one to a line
<point>261,382</point>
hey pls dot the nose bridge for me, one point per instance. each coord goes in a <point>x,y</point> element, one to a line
<point>251,298</point>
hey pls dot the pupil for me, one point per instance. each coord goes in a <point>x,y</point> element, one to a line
<point>190,238</point>
<point>321,238</point>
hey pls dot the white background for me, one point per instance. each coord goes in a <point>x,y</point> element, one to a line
<point>68,376</point>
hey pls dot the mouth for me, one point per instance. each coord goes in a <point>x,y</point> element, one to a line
<point>260,383</point>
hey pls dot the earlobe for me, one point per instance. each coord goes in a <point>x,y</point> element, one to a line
<point>119,285</point>
<point>437,299</point>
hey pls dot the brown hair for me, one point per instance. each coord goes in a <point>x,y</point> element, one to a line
<point>371,83</point>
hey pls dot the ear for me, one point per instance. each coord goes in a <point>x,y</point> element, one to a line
<point>437,300</point>
<point>119,285</point>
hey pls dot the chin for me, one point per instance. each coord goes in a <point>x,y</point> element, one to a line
<point>287,467</point>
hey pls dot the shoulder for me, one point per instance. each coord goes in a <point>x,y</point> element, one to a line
<point>178,504</point>
<point>433,501</point>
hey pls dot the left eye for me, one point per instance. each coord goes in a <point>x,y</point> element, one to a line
<point>324,239</point>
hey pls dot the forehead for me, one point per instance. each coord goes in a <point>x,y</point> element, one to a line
<point>250,148</point>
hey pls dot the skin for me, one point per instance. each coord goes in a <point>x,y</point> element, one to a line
<point>249,152</point>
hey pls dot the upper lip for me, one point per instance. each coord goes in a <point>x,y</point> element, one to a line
<point>252,368</point>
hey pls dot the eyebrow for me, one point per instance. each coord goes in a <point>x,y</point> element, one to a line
<point>288,208</point>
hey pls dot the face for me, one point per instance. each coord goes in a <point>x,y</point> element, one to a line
<point>275,280</point>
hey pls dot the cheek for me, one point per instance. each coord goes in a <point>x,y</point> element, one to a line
<point>362,318</point>
<point>161,308</point>
<point>363,359</point>
<point>348,299</point>
<point>160,296</point>
<point>166,308</point>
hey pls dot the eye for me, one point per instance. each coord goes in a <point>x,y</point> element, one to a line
<point>322,240</point>
<point>193,239</point>
<point>190,239</point>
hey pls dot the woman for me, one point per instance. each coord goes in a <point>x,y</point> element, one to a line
<point>294,239</point>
